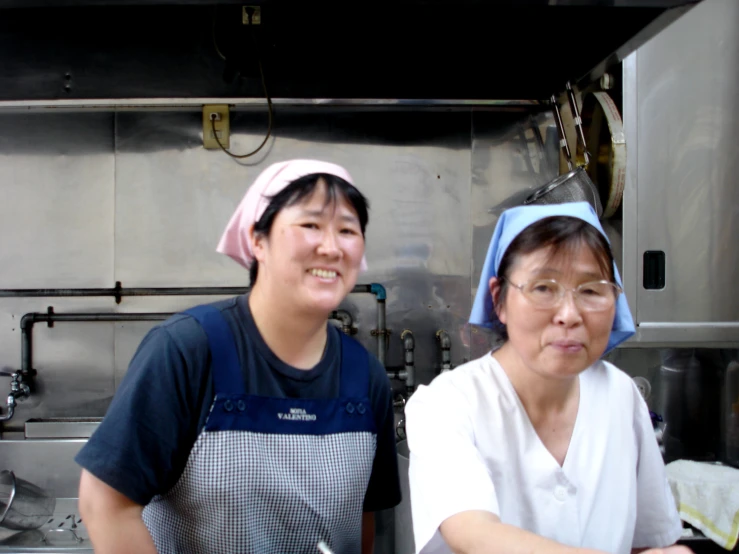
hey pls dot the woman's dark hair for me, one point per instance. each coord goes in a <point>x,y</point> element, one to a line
<point>301,188</point>
<point>563,234</point>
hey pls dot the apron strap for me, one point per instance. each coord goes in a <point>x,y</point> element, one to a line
<point>225,366</point>
<point>354,368</point>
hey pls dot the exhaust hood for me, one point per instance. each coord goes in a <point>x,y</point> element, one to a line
<point>405,49</point>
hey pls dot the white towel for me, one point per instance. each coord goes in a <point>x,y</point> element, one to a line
<point>707,497</point>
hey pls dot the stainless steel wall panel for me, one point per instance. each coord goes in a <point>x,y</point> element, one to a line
<point>687,130</point>
<point>56,177</point>
<point>56,219</point>
<point>506,167</point>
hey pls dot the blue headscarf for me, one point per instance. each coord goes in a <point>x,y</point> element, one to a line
<point>509,226</point>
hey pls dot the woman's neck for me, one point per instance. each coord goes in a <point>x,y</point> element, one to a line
<point>298,339</point>
<point>539,394</point>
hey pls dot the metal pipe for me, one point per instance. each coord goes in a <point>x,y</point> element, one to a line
<point>26,345</point>
<point>120,291</point>
<point>381,333</point>
<point>409,344</point>
<point>29,319</point>
<point>241,103</point>
<point>347,323</point>
<point>445,342</point>
<point>397,373</point>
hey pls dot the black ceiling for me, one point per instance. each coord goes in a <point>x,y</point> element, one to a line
<point>493,49</point>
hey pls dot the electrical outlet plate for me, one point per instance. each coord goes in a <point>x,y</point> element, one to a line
<point>222,126</point>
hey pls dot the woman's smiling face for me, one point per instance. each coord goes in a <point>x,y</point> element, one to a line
<point>313,252</point>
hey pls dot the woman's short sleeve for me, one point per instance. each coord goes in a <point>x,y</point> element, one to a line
<point>447,473</point>
<point>657,521</point>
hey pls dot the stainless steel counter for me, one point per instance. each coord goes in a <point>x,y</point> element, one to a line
<point>64,532</point>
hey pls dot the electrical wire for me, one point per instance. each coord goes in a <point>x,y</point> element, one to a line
<point>213,33</point>
<point>269,113</point>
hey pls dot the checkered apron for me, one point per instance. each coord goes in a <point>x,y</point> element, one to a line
<point>271,475</point>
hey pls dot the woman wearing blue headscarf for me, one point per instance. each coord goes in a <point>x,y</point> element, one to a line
<point>540,445</point>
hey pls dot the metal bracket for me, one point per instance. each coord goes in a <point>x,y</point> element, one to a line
<point>118,290</point>
<point>382,333</point>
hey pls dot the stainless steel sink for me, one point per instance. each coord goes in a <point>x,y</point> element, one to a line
<point>64,532</point>
<point>61,428</point>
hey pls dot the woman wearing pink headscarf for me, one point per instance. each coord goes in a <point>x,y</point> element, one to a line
<point>251,424</point>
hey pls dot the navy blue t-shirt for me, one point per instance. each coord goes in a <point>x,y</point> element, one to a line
<point>143,443</point>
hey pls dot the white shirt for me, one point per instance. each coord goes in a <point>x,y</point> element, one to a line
<point>473,447</point>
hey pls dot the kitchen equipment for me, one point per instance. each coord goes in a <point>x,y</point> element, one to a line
<point>605,135</point>
<point>64,531</point>
<point>61,427</point>
<point>687,397</point>
<point>645,390</point>
<point>575,185</point>
<point>644,387</point>
<point>23,505</point>
<point>729,451</point>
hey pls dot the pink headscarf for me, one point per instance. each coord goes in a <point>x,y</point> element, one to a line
<point>235,241</point>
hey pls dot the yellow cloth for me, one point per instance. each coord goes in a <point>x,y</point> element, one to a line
<point>707,497</point>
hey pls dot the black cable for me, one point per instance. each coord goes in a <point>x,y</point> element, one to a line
<point>269,112</point>
<point>213,32</point>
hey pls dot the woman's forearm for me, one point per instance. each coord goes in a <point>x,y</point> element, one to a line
<point>368,532</point>
<point>478,532</point>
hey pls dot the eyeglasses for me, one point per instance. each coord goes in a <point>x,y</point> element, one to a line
<point>594,296</point>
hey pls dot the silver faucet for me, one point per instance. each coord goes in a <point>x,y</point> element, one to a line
<point>18,391</point>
